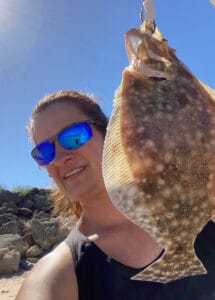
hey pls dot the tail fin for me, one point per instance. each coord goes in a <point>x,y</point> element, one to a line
<point>171,267</point>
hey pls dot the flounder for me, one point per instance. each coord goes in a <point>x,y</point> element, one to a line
<point>159,152</point>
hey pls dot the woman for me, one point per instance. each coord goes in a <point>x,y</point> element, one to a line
<point>78,174</point>
<point>105,249</point>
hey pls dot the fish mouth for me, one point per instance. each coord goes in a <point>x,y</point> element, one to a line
<point>156,78</point>
<point>145,59</point>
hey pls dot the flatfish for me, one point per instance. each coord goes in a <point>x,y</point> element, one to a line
<point>159,151</point>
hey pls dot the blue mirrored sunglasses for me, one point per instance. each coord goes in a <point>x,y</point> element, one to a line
<point>71,137</point>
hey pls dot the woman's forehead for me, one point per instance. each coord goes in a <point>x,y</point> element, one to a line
<point>55,117</point>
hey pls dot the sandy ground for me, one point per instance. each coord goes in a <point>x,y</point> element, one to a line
<point>10,284</point>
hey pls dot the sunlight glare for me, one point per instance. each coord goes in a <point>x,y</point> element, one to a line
<point>7,18</point>
<point>19,27</point>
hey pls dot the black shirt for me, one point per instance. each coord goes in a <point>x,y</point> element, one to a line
<point>101,278</point>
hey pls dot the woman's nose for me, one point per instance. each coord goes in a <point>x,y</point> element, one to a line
<point>62,154</point>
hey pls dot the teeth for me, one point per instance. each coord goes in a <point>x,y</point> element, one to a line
<point>74,172</point>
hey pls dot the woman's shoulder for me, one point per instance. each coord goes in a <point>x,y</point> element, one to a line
<point>53,277</point>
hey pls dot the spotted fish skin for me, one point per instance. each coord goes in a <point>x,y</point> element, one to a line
<point>159,152</point>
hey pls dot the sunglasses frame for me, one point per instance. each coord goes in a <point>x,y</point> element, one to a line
<point>55,137</point>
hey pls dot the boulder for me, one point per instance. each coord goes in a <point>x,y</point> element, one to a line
<point>6,217</point>
<point>40,201</point>
<point>28,204</point>
<point>13,242</point>
<point>3,209</point>
<point>10,227</point>
<point>27,238</point>
<point>45,234</point>
<point>8,199</point>
<point>26,212</point>
<point>9,261</point>
<point>34,251</point>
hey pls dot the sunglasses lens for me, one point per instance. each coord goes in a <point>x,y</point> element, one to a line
<point>44,153</point>
<point>70,138</point>
<point>75,136</point>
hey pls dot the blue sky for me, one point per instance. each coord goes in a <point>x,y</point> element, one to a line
<point>48,45</point>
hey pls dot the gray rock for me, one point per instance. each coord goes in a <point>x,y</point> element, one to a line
<point>42,216</point>
<point>12,211</point>
<point>13,242</point>
<point>10,227</point>
<point>8,199</point>
<point>19,198</point>
<point>27,238</point>
<point>40,201</point>
<point>3,209</point>
<point>28,204</point>
<point>34,251</point>
<point>7,217</point>
<point>25,212</point>
<point>25,220</point>
<point>9,261</point>
<point>44,234</point>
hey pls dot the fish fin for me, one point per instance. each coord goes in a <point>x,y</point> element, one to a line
<point>171,267</point>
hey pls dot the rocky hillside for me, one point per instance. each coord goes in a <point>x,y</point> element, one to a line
<point>28,230</point>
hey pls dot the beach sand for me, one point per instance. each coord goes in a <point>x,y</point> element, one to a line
<point>10,284</point>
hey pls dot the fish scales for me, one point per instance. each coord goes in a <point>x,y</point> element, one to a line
<point>159,152</point>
